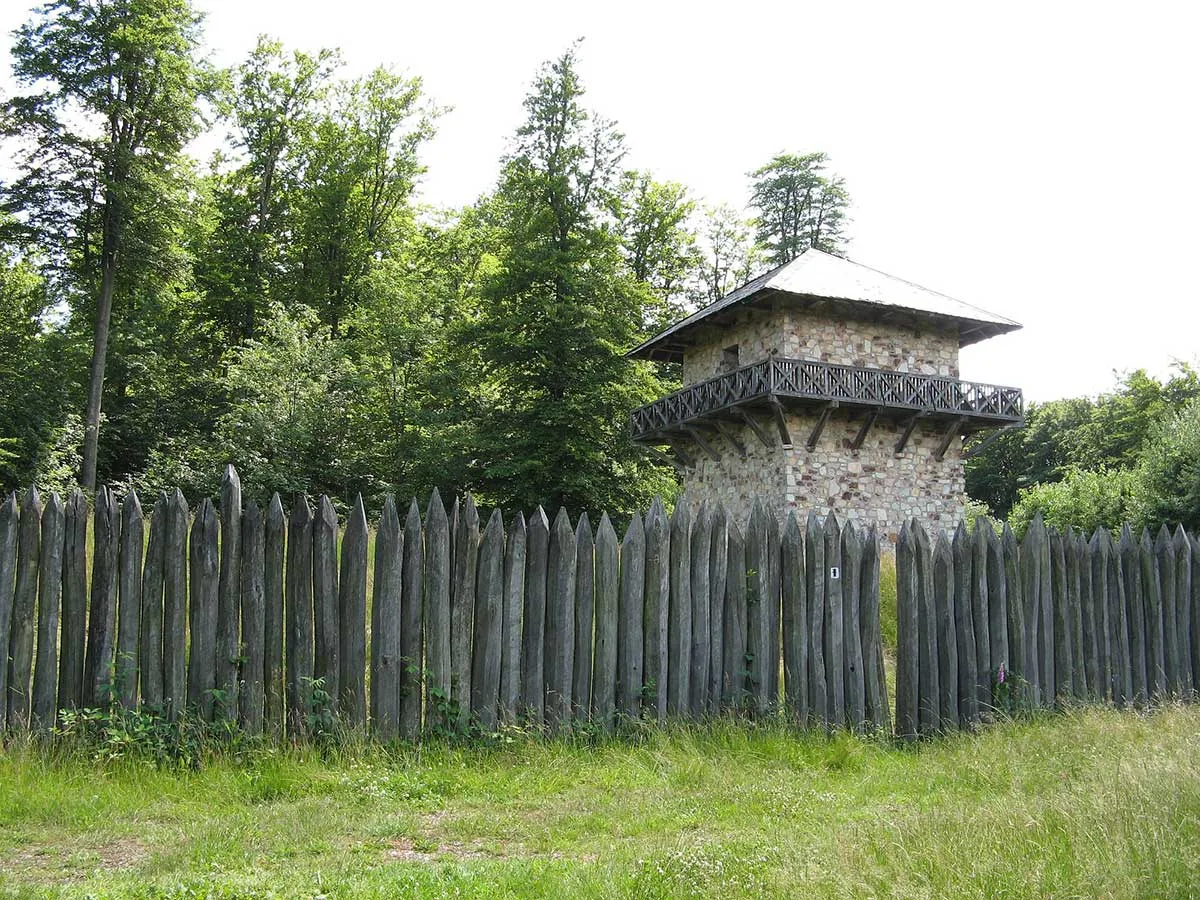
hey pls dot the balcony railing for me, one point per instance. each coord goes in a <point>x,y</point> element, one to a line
<point>983,405</point>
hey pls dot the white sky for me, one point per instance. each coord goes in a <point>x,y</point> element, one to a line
<point>1035,159</point>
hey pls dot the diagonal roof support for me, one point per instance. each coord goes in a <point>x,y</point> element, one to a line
<point>867,425</point>
<point>951,432</point>
<point>677,464</point>
<point>702,442</point>
<point>684,456</point>
<point>909,427</point>
<point>755,427</point>
<point>781,422</point>
<point>731,436</point>
<point>815,434</point>
<point>975,449</point>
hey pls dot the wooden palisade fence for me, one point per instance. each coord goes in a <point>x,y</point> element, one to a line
<point>986,623</point>
<point>260,617</point>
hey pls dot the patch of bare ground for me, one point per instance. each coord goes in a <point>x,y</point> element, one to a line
<point>407,849</point>
<point>61,864</point>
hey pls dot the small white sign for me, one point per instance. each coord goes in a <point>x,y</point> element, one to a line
<point>834,573</point>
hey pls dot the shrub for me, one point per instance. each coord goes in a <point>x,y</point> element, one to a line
<point>1084,499</point>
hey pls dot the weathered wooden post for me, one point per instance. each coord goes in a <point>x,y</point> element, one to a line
<point>514,598</point>
<point>734,641</point>
<point>437,614</point>
<point>1063,627</point>
<point>964,626</point>
<point>947,633</point>
<point>10,520</point>
<point>981,614</point>
<point>203,581</point>
<point>908,667</point>
<point>1194,624</point>
<point>560,621</point>
<point>852,652</point>
<point>129,609</point>
<point>758,613</point>
<point>1134,606</point>
<point>228,642</point>
<point>1164,550</point>
<point>150,641</point>
<point>533,659</point>
<point>462,608</point>
<point>929,687</point>
<point>655,619</point>
<point>488,622</point>
<point>1087,603</point>
<point>327,643</point>
<point>1183,603</point>
<point>679,617</point>
<point>1018,653</point>
<point>1031,577</point>
<point>795,622</point>
<point>106,534</point>
<point>299,613</point>
<point>774,589</point>
<point>998,652</point>
<point>835,676</point>
<point>274,544</point>
<point>1075,613</point>
<point>879,712</point>
<point>21,636</point>
<point>814,583</point>
<point>1118,620</point>
<point>175,592</point>
<point>412,623</point>
<point>584,628</point>
<point>1098,554</point>
<point>1156,673</point>
<point>631,605</point>
<point>252,697</point>
<point>1046,635</point>
<point>50,569</point>
<point>74,606</point>
<point>352,619</point>
<point>387,613</point>
<point>608,581</point>
<point>718,572</point>
<point>701,639</point>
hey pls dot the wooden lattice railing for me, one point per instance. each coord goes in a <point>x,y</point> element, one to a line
<point>818,381</point>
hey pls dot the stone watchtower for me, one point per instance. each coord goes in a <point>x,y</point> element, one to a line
<point>827,385</point>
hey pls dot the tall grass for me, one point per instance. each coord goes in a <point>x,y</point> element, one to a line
<point>1091,803</point>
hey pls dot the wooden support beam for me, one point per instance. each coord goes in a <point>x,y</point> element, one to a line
<point>684,456</point>
<point>781,423</point>
<point>867,425</point>
<point>951,432</point>
<point>755,427</point>
<point>815,434</point>
<point>975,449</point>
<point>909,426</point>
<point>676,464</point>
<point>701,442</point>
<point>732,437</point>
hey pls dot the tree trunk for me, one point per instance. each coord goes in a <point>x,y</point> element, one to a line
<point>91,434</point>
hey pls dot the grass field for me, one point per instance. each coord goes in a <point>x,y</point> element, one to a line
<point>1092,803</point>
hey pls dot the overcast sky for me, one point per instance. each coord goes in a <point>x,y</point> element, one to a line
<point>1039,160</point>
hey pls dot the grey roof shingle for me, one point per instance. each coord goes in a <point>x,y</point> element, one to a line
<point>816,274</point>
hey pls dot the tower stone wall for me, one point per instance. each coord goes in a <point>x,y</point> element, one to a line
<point>871,485</point>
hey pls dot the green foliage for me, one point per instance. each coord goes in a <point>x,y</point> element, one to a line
<point>1085,500</point>
<point>1062,436</point>
<point>799,206</point>
<point>1168,473</point>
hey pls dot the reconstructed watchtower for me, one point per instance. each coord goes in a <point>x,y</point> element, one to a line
<point>830,386</point>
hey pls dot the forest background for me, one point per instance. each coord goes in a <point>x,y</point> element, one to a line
<point>289,306</point>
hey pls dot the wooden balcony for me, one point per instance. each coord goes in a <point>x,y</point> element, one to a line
<point>698,410</point>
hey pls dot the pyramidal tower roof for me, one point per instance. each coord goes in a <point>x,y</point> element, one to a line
<point>815,279</point>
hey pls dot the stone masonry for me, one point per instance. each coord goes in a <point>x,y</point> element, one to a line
<point>872,485</point>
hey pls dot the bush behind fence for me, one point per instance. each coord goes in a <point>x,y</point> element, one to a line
<point>261,617</point>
